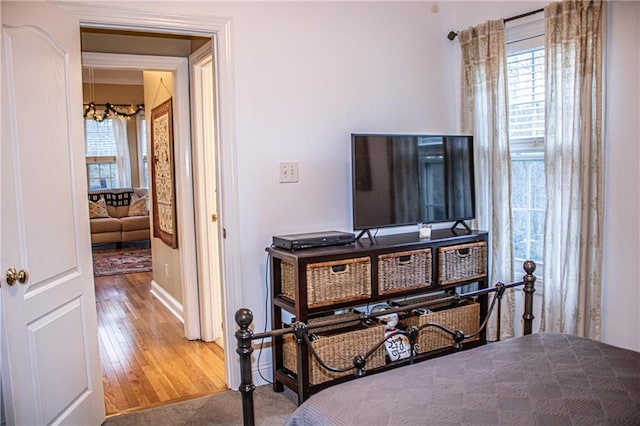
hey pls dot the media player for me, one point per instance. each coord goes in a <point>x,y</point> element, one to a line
<point>313,239</point>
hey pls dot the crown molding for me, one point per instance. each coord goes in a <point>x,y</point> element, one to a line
<point>114,15</point>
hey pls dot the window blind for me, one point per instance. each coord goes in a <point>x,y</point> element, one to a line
<point>526,95</point>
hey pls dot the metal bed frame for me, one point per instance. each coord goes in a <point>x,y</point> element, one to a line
<point>245,336</point>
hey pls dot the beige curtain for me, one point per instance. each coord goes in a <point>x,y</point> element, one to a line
<point>123,161</point>
<point>484,114</point>
<point>573,168</point>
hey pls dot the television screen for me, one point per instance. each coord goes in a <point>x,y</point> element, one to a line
<point>408,179</point>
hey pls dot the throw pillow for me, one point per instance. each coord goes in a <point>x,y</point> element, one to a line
<point>98,209</point>
<point>139,206</point>
<point>140,192</point>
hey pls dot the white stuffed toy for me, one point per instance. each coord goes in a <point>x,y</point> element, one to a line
<point>397,347</point>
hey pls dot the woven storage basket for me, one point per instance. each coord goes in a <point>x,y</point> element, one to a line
<point>462,262</point>
<point>465,317</point>
<point>331,282</point>
<point>336,347</point>
<point>404,271</point>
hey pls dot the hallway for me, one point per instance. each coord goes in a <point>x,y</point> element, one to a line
<point>146,361</point>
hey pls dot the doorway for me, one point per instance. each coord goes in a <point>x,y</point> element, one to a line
<point>221,28</point>
<point>168,74</point>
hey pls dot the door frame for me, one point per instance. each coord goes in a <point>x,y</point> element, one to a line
<point>189,312</point>
<point>204,137</point>
<point>114,16</point>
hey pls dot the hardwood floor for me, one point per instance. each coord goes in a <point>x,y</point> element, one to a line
<point>146,361</point>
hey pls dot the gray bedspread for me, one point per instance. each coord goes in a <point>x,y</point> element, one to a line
<point>540,379</point>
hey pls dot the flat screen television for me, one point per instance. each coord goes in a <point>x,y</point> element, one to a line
<point>408,179</point>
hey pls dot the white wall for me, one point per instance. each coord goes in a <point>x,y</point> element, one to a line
<point>159,87</point>
<point>621,288</point>
<point>308,74</point>
<point>327,70</point>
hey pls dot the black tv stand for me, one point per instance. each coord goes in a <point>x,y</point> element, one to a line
<point>365,231</point>
<point>461,222</point>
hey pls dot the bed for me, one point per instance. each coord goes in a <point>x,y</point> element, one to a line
<point>546,378</point>
<point>535,379</point>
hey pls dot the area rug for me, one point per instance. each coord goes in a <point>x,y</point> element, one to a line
<point>122,261</point>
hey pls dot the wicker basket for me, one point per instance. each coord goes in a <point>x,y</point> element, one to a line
<point>404,271</point>
<point>462,262</point>
<point>331,282</point>
<point>465,317</point>
<point>336,346</point>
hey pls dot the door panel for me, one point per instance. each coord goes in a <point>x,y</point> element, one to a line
<point>32,156</point>
<point>50,371</point>
<point>67,320</point>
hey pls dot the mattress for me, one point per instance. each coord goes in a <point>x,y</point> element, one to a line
<point>539,379</point>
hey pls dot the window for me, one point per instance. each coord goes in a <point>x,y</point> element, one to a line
<point>527,206</point>
<point>526,95</point>
<point>102,171</point>
<point>525,67</point>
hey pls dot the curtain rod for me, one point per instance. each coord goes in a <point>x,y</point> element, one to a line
<point>453,34</point>
<point>523,15</point>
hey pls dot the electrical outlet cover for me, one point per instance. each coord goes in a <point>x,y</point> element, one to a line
<point>288,171</point>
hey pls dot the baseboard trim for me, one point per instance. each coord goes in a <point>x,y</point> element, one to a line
<point>266,371</point>
<point>168,300</point>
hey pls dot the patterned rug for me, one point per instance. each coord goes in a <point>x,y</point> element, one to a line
<point>123,261</point>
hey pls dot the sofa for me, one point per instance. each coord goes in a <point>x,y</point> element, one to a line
<point>119,215</point>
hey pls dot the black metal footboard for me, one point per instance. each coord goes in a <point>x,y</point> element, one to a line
<point>245,336</point>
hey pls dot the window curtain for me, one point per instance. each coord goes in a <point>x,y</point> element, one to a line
<point>484,114</point>
<point>142,149</point>
<point>573,168</point>
<point>123,162</point>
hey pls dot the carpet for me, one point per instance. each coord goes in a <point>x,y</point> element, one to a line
<point>225,408</point>
<point>121,261</point>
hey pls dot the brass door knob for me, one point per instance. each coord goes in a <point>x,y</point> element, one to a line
<point>14,275</point>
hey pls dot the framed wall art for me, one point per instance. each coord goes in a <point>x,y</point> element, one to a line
<point>163,174</point>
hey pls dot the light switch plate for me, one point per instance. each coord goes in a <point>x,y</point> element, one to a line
<point>288,171</point>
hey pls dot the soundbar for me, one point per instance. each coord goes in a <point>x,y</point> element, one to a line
<point>312,239</point>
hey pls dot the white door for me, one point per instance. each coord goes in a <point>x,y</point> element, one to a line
<point>204,136</point>
<point>50,361</point>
